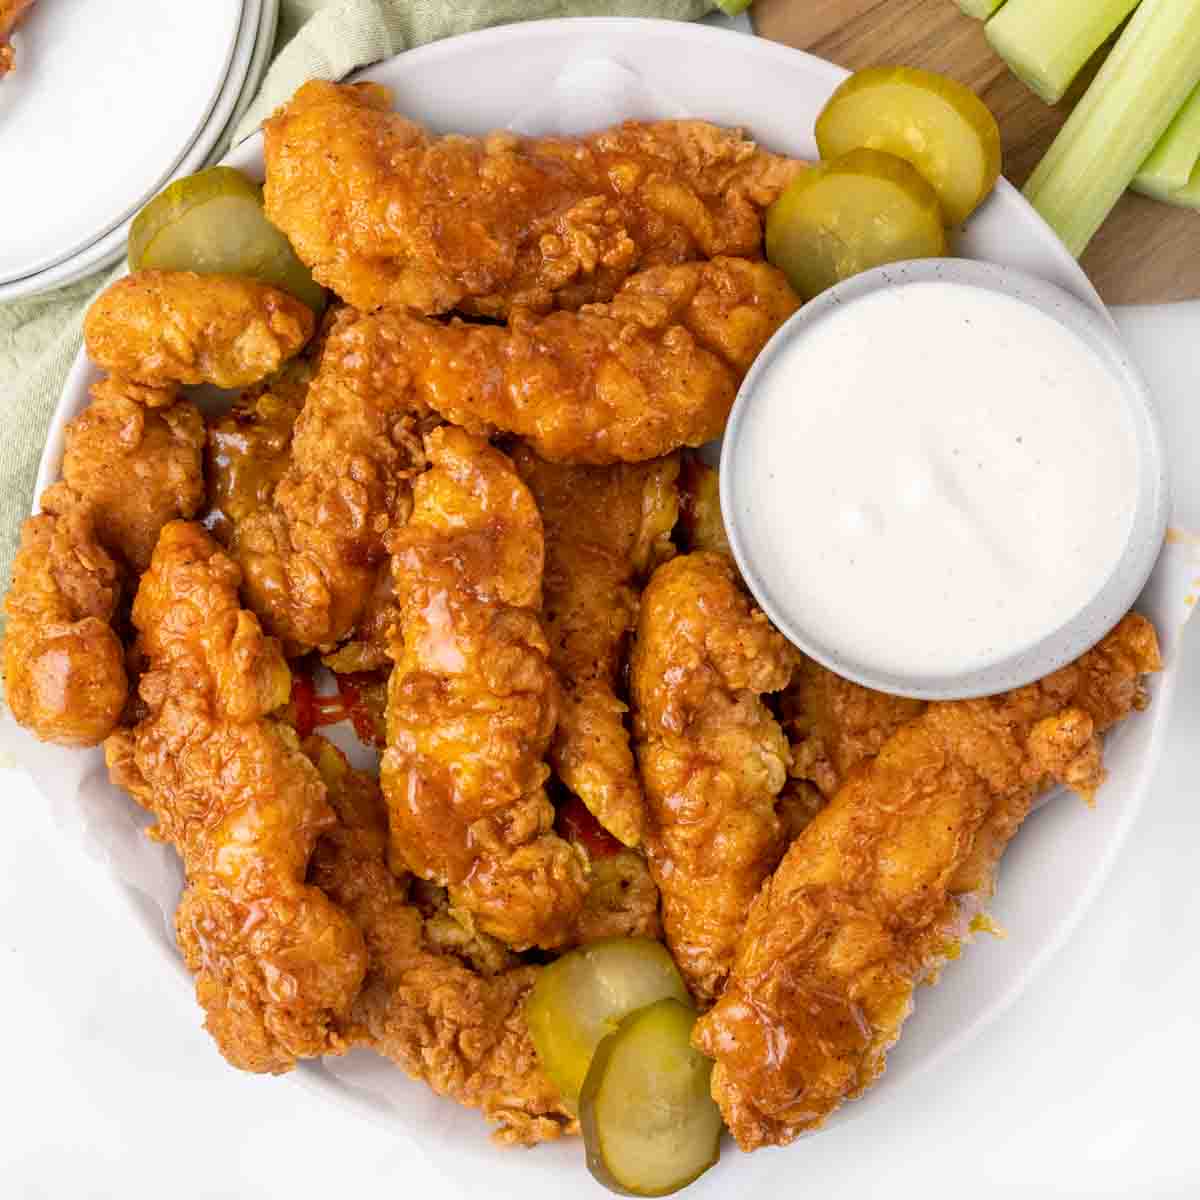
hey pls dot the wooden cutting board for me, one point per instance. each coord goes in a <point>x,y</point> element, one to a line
<point>1146,253</point>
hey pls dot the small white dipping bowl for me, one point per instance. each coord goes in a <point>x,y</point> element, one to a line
<point>1008,667</point>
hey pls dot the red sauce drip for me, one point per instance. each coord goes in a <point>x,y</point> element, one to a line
<point>304,704</point>
<point>313,711</point>
<point>356,709</point>
<point>575,823</point>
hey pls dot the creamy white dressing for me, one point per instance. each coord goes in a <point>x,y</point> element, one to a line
<point>939,476</point>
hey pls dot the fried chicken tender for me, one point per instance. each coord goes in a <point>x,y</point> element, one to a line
<point>656,369</point>
<point>127,471</point>
<point>622,899</point>
<point>834,724</point>
<point>135,467</point>
<point>277,965</point>
<point>163,327</point>
<point>388,215</point>
<point>11,12</point>
<point>312,555</point>
<point>831,723</point>
<point>64,666</point>
<point>250,447</point>
<point>712,757</point>
<point>878,891</point>
<point>701,525</point>
<point>472,700</point>
<point>459,1028</point>
<point>367,649</point>
<point>605,526</point>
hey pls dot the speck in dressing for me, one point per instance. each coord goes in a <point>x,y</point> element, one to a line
<point>942,476</point>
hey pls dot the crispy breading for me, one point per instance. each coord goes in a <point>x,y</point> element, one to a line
<point>877,892</point>
<point>134,467</point>
<point>249,447</point>
<point>622,900</point>
<point>701,525</point>
<point>277,965</point>
<point>604,527</point>
<point>164,327</point>
<point>311,557</point>
<point>387,214</point>
<point>834,724</point>
<point>11,12</point>
<point>831,723</point>
<point>712,757</point>
<point>634,379</point>
<point>459,1029</point>
<point>367,647</point>
<point>128,469</point>
<point>64,667</point>
<point>472,700</point>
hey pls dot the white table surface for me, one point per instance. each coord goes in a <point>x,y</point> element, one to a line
<point>1085,1088</point>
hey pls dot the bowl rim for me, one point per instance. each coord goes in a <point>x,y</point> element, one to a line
<point>1074,635</point>
<point>314,1076</point>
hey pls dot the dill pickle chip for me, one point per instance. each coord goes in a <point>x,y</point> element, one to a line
<point>937,124</point>
<point>581,997</point>
<point>848,215</point>
<point>650,1125</point>
<point>213,223</point>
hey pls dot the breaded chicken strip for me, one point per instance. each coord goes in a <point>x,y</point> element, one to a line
<point>878,891</point>
<point>162,327</point>
<point>312,559</point>
<point>605,528</point>
<point>387,214</point>
<point>834,724</point>
<point>701,525</point>
<point>277,965</point>
<point>712,756</point>
<point>135,467</point>
<point>64,667</point>
<point>472,700</point>
<point>11,12</point>
<point>312,555</point>
<point>656,369</point>
<point>128,470</point>
<point>459,1028</point>
<point>831,723</point>
<point>250,447</point>
<point>622,899</point>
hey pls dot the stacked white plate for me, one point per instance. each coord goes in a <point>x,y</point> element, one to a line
<point>109,101</point>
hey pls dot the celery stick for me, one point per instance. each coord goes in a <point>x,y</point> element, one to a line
<point>1141,86</point>
<point>1187,196</point>
<point>1175,157</point>
<point>979,9</point>
<point>1047,44</point>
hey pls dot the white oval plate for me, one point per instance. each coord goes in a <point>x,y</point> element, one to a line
<point>97,113</point>
<point>1054,868</point>
<point>250,55</point>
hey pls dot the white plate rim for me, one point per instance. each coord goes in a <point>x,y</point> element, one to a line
<point>312,1074</point>
<point>264,45</point>
<point>200,121</point>
<point>108,248</point>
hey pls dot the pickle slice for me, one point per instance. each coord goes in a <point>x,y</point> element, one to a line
<point>859,211</point>
<point>214,223</point>
<point>582,996</point>
<point>937,124</point>
<point>649,1124</point>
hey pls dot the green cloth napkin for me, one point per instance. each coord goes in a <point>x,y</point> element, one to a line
<point>327,39</point>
